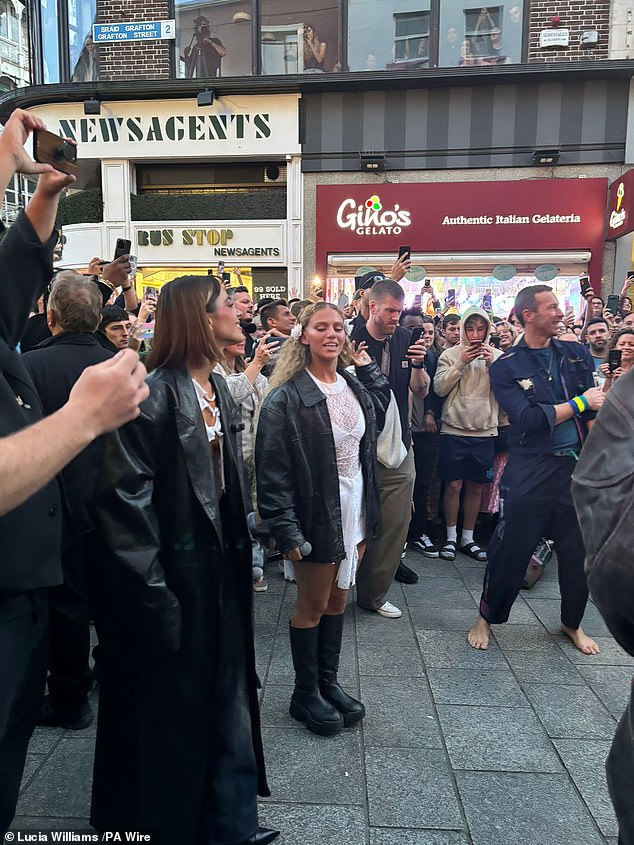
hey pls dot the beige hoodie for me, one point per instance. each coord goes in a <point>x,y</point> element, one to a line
<point>470,408</point>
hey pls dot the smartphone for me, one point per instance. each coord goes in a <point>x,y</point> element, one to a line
<point>133,265</point>
<point>451,296</point>
<point>584,283</point>
<point>417,333</point>
<point>494,341</point>
<point>49,148</point>
<point>475,343</point>
<point>221,267</point>
<point>614,359</point>
<point>404,250</point>
<point>613,303</point>
<point>122,247</point>
<point>487,302</point>
<point>226,278</point>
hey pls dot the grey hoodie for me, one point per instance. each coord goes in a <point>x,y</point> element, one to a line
<point>470,408</point>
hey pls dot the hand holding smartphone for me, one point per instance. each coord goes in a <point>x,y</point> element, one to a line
<point>49,148</point>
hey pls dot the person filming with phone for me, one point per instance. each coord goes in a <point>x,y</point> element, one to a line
<point>620,358</point>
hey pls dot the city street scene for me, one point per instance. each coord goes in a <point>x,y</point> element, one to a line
<point>316,422</point>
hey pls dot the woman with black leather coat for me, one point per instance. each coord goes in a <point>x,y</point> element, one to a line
<point>178,748</point>
<point>318,497</point>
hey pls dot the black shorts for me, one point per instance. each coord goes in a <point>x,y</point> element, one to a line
<point>466,458</point>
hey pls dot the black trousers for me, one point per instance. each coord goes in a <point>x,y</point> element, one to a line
<point>70,678</point>
<point>23,654</point>
<point>620,771</point>
<point>426,448</point>
<point>537,503</point>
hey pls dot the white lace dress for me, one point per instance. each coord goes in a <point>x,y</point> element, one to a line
<point>348,428</point>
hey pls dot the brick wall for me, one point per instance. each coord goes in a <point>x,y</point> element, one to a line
<point>140,60</point>
<point>576,16</point>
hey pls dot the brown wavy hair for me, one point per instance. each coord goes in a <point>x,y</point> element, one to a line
<point>183,336</point>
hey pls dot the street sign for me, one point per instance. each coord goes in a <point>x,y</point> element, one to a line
<point>104,33</point>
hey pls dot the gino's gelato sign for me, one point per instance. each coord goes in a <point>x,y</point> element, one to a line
<point>372,217</point>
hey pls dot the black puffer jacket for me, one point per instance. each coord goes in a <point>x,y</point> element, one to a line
<point>296,465</point>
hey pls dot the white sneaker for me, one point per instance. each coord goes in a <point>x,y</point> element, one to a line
<point>389,610</point>
<point>404,552</point>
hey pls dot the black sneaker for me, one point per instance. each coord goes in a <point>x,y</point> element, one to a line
<point>405,575</point>
<point>73,720</point>
<point>424,544</point>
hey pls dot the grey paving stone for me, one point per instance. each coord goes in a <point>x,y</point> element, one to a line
<point>538,667</point>
<point>546,588</point>
<point>585,761</point>
<point>520,614</point>
<point>442,618</point>
<point>394,836</point>
<point>449,649</point>
<point>533,638</point>
<point>431,568</point>
<point>62,786</point>
<point>50,823</point>
<point>302,823</point>
<point>612,685</point>
<point>45,739</point>
<point>570,711</point>
<point>439,595</point>
<point>497,739</point>
<point>391,660</point>
<point>442,578</point>
<point>510,808</point>
<point>611,653</point>
<point>463,561</point>
<point>31,765</point>
<point>411,788</point>
<point>472,579</point>
<point>399,713</point>
<point>373,630</point>
<point>497,688</point>
<point>304,768</point>
<point>548,611</point>
<point>274,707</point>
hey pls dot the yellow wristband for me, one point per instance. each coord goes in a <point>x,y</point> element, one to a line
<point>580,403</point>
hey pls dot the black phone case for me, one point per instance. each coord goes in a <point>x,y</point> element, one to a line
<point>49,148</point>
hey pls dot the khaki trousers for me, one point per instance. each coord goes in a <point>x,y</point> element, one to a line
<point>383,555</point>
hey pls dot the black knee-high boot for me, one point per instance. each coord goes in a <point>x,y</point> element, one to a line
<point>329,648</point>
<point>307,703</point>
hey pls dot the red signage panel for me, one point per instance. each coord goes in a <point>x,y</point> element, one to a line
<point>539,214</point>
<point>621,207</point>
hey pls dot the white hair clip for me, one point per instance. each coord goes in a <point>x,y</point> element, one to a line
<point>296,331</point>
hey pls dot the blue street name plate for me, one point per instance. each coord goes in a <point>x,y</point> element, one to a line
<point>104,33</point>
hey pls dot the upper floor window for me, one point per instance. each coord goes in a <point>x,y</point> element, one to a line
<point>480,35</point>
<point>299,37</point>
<point>213,38</point>
<point>9,27</point>
<point>388,34</point>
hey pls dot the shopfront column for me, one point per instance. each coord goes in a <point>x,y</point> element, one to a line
<point>295,226</point>
<point>117,182</point>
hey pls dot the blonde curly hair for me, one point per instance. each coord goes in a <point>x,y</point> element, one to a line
<point>295,355</point>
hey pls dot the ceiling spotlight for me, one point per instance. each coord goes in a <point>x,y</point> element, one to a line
<point>92,106</point>
<point>546,157</point>
<point>206,98</point>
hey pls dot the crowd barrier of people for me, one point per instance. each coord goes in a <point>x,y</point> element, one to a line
<point>293,435</point>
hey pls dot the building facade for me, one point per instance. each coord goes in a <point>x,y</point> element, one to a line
<point>243,133</point>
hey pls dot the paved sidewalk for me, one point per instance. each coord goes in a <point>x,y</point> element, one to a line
<point>459,747</point>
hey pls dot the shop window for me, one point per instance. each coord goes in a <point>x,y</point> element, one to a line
<point>213,39</point>
<point>392,35</point>
<point>304,40</point>
<point>82,51</point>
<point>480,35</point>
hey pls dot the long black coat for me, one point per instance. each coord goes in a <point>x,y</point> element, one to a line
<point>160,610</point>
<point>296,463</point>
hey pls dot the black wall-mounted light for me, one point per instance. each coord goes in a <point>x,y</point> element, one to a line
<point>92,106</point>
<point>206,98</point>
<point>372,162</point>
<point>546,157</point>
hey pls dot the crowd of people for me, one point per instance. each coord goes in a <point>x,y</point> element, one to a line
<point>156,505</point>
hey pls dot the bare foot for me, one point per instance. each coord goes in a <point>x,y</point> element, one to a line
<point>478,636</point>
<point>582,642</point>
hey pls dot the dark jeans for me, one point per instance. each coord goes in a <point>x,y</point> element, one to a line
<point>70,679</point>
<point>620,771</point>
<point>23,644</point>
<point>537,503</point>
<point>426,448</point>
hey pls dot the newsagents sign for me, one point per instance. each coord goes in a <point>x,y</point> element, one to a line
<point>179,128</point>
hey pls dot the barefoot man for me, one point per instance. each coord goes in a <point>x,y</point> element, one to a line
<point>546,387</point>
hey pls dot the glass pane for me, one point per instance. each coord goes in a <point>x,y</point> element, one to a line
<point>213,38</point>
<point>305,40</point>
<point>388,34</point>
<point>50,46</point>
<point>4,19</point>
<point>480,35</point>
<point>83,53</point>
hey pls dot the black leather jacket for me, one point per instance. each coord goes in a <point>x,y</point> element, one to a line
<point>296,466</point>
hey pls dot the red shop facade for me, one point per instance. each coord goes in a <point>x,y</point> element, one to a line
<point>474,237</point>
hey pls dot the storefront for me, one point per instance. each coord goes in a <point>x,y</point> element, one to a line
<point>479,239</point>
<point>217,188</point>
<point>620,228</point>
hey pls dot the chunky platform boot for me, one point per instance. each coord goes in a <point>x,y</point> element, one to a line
<point>328,650</point>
